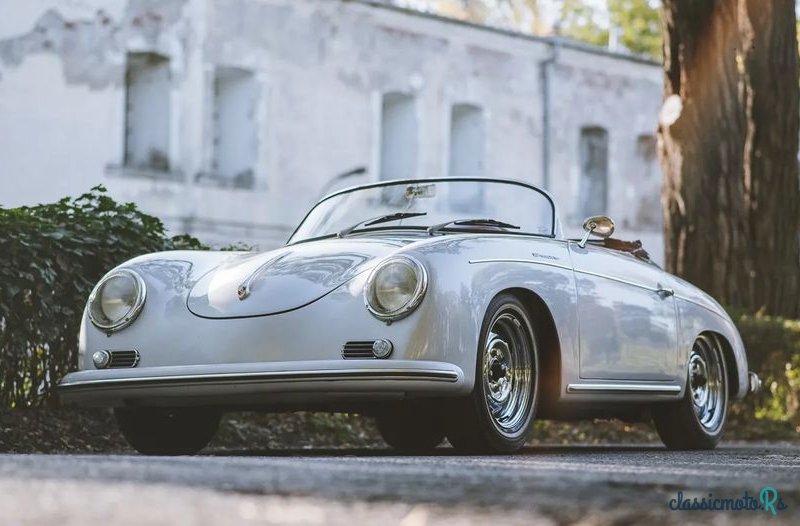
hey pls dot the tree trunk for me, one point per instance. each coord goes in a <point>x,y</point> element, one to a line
<point>701,136</point>
<point>772,193</point>
<point>728,149</point>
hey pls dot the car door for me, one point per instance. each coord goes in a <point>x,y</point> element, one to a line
<point>627,317</point>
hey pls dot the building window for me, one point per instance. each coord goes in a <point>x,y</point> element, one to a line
<point>467,141</point>
<point>467,151</point>
<point>398,157</point>
<point>593,186</point>
<point>646,155</point>
<point>648,213</point>
<point>147,111</point>
<point>235,127</point>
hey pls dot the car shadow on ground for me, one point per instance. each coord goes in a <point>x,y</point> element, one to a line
<point>444,451</point>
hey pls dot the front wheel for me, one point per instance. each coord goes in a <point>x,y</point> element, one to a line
<point>698,419</point>
<point>155,431</point>
<point>497,417</point>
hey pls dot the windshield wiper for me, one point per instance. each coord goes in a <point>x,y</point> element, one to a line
<point>471,222</point>
<point>380,219</point>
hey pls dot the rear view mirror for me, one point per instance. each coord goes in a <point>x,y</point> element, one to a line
<point>600,226</point>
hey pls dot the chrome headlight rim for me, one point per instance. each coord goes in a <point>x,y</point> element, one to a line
<point>132,314</point>
<point>419,292</point>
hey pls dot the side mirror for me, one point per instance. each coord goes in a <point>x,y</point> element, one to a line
<point>601,226</point>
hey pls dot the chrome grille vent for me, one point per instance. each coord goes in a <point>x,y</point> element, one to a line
<point>123,359</point>
<point>358,350</point>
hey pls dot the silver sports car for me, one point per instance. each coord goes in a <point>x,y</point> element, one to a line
<point>442,307</point>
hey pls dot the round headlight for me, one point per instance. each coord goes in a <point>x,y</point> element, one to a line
<point>117,300</point>
<point>395,287</point>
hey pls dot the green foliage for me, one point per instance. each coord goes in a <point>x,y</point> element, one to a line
<point>236,247</point>
<point>639,23</point>
<point>578,20</point>
<point>636,22</point>
<point>773,351</point>
<point>50,258</point>
<point>524,15</point>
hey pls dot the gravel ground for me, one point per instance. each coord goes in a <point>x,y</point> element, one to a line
<point>314,468</point>
<point>544,485</point>
<point>55,503</point>
<point>73,430</point>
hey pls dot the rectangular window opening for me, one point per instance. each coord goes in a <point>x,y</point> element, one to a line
<point>593,189</point>
<point>147,112</point>
<point>235,149</point>
<point>467,151</point>
<point>398,157</point>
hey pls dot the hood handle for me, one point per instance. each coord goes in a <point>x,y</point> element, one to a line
<point>244,289</point>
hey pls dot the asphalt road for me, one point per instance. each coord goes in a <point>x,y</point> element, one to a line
<point>543,485</point>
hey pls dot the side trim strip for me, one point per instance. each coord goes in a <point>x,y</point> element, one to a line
<point>512,260</point>
<point>619,280</point>
<point>627,388</point>
<point>267,377</point>
<point>565,267</point>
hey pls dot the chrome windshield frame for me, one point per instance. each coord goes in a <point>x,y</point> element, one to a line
<point>393,182</point>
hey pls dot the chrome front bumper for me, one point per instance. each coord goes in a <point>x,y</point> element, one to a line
<point>265,384</point>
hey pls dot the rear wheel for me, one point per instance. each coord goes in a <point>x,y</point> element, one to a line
<point>497,417</point>
<point>411,427</point>
<point>698,420</point>
<point>155,431</point>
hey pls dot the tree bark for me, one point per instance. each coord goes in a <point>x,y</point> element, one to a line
<point>771,94</point>
<point>701,147</point>
<point>728,148</point>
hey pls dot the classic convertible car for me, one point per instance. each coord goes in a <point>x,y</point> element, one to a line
<point>442,307</point>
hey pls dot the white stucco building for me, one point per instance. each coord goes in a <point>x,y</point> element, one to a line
<point>228,118</point>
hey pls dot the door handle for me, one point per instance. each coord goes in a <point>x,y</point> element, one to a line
<point>664,292</point>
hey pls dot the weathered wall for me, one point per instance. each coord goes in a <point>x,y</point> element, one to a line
<point>321,68</point>
<point>623,97</point>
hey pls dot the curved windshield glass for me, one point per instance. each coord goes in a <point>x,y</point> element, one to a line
<point>419,204</point>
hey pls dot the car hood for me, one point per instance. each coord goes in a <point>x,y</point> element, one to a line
<point>285,279</point>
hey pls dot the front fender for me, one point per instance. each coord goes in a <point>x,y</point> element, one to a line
<point>467,272</point>
<point>696,319</point>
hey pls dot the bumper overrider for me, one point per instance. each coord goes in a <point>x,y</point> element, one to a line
<point>753,383</point>
<point>313,382</point>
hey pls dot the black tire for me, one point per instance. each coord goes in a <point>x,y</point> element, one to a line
<point>411,427</point>
<point>155,431</point>
<point>697,421</point>
<point>477,423</point>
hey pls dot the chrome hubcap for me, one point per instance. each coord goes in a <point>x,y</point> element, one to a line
<point>707,384</point>
<point>508,372</point>
<point>498,370</point>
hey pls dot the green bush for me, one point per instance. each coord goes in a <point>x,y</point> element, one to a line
<point>50,258</point>
<point>773,351</point>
